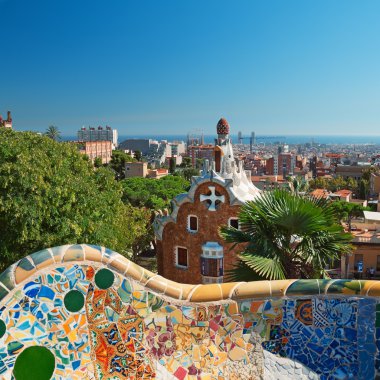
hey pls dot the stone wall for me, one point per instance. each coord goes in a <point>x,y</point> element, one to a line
<point>88,313</point>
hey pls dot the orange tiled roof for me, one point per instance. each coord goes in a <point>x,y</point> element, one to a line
<point>320,193</point>
<point>343,193</point>
<point>334,155</point>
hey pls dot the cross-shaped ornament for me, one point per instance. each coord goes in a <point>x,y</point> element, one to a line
<point>212,198</point>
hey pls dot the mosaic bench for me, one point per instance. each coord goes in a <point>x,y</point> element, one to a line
<point>86,312</point>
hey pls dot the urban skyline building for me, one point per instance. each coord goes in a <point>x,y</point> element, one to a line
<point>98,134</point>
<point>96,149</point>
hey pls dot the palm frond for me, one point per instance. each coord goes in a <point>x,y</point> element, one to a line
<point>242,272</point>
<point>233,235</point>
<point>287,233</point>
<point>269,268</point>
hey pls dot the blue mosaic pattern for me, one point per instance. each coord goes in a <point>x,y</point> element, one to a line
<point>334,337</point>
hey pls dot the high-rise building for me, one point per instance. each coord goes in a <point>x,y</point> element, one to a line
<point>200,151</point>
<point>281,164</point>
<point>99,134</point>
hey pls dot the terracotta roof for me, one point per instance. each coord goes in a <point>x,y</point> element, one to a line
<point>343,193</point>
<point>334,155</point>
<point>206,146</point>
<point>320,193</point>
<point>271,178</point>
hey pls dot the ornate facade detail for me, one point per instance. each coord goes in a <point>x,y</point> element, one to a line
<point>212,199</point>
<point>223,187</point>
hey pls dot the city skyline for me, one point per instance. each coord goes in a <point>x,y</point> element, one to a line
<point>148,68</point>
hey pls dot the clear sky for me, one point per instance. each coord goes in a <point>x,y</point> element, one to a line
<point>170,66</point>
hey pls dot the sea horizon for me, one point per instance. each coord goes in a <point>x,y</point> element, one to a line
<point>260,139</point>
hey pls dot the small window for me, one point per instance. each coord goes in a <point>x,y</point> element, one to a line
<point>181,257</point>
<point>192,223</point>
<point>234,222</point>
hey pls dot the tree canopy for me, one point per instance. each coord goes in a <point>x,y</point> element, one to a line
<point>186,162</point>
<point>137,155</point>
<point>53,132</point>
<point>51,195</point>
<point>118,161</point>
<point>359,188</point>
<point>286,236</point>
<point>346,211</point>
<point>153,193</point>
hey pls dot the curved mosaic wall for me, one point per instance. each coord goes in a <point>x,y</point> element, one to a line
<point>85,312</point>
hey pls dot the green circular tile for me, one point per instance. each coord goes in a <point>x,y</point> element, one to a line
<point>104,278</point>
<point>74,300</point>
<point>34,363</point>
<point>3,328</point>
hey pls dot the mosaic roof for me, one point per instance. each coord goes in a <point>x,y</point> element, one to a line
<point>222,128</point>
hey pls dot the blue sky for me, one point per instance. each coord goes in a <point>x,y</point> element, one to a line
<point>170,66</point>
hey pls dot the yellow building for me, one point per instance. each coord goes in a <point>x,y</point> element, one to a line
<point>366,241</point>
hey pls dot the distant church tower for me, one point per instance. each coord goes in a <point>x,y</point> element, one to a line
<point>6,123</point>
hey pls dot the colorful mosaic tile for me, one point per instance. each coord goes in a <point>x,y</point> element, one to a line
<point>90,312</point>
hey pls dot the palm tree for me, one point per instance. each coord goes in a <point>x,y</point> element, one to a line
<point>53,132</point>
<point>288,236</point>
<point>298,184</point>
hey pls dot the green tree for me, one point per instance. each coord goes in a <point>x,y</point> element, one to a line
<point>298,184</point>
<point>172,165</point>
<point>366,174</point>
<point>199,163</point>
<point>154,194</point>
<point>141,233</point>
<point>337,183</point>
<point>118,161</point>
<point>363,188</point>
<point>150,195</point>
<point>50,195</point>
<point>346,211</point>
<point>352,184</point>
<point>137,155</point>
<point>53,133</point>
<point>318,183</point>
<point>98,162</point>
<point>186,162</point>
<point>286,236</point>
<point>187,173</point>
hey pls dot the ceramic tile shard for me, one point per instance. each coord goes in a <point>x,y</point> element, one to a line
<point>127,331</point>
